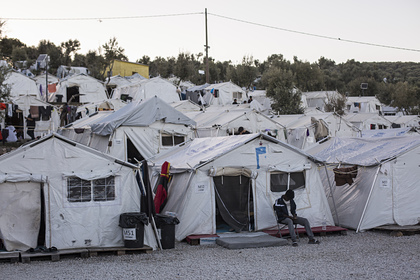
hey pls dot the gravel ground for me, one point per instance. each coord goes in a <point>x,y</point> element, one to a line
<point>368,255</point>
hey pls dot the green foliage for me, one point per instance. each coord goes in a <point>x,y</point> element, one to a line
<point>70,47</point>
<point>4,88</point>
<point>280,87</point>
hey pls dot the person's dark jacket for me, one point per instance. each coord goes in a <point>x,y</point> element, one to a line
<point>281,208</point>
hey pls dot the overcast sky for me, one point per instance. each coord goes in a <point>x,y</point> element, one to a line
<point>306,29</point>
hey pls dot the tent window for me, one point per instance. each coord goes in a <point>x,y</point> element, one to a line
<point>237,95</point>
<point>282,181</point>
<point>172,140</point>
<point>79,190</point>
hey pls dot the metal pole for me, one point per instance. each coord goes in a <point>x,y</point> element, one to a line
<point>46,79</point>
<point>207,53</point>
<point>332,195</point>
<point>368,199</point>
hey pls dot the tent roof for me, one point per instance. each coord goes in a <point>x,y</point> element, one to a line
<point>319,94</point>
<point>201,151</point>
<point>364,151</point>
<point>29,100</point>
<point>197,88</point>
<point>141,114</point>
<point>34,144</point>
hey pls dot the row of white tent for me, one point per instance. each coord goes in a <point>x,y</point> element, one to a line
<point>199,168</point>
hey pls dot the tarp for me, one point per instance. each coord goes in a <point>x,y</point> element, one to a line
<point>364,151</point>
<point>385,189</point>
<point>141,114</point>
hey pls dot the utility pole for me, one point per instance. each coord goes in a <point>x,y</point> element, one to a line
<point>46,78</point>
<point>207,53</point>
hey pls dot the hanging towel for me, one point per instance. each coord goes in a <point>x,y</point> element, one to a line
<point>34,111</point>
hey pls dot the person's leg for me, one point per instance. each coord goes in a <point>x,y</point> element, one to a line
<point>304,222</point>
<point>289,223</point>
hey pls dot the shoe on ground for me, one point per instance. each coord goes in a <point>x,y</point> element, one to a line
<point>295,244</point>
<point>314,241</point>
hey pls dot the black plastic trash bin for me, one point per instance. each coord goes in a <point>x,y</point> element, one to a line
<point>166,224</point>
<point>59,98</point>
<point>133,228</point>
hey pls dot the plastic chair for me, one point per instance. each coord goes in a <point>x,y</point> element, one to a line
<point>281,226</point>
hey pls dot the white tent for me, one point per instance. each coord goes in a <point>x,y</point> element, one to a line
<point>147,88</point>
<point>405,121</point>
<point>81,88</point>
<point>224,94</point>
<point>69,194</point>
<point>368,121</point>
<point>382,189</point>
<point>363,104</point>
<point>21,85</point>
<point>216,122</point>
<point>241,176</point>
<point>318,99</point>
<point>140,130</point>
<point>304,131</point>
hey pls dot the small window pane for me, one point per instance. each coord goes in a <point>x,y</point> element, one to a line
<point>297,180</point>
<point>104,189</point>
<point>278,182</point>
<point>78,190</point>
<point>167,140</point>
<point>179,139</point>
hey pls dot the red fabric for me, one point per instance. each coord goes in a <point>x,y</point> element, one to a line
<point>3,106</point>
<point>52,88</point>
<point>162,189</point>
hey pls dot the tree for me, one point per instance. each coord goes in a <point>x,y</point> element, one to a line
<point>406,98</point>
<point>19,54</point>
<point>112,51</point>
<point>246,72</point>
<point>280,87</point>
<point>4,88</point>
<point>308,77</point>
<point>70,47</point>
<point>95,63</point>
<point>7,45</point>
<point>336,103</point>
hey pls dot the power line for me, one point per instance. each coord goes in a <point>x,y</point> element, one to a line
<point>102,18</point>
<point>315,35</point>
<point>216,15</point>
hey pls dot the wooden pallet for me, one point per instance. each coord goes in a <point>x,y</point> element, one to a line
<point>396,230</point>
<point>93,252</point>
<point>200,239</point>
<point>27,257</point>
<point>316,231</point>
<point>9,256</point>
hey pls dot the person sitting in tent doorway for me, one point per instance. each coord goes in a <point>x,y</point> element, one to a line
<point>241,131</point>
<point>235,101</point>
<point>250,99</point>
<point>30,124</point>
<point>283,216</point>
